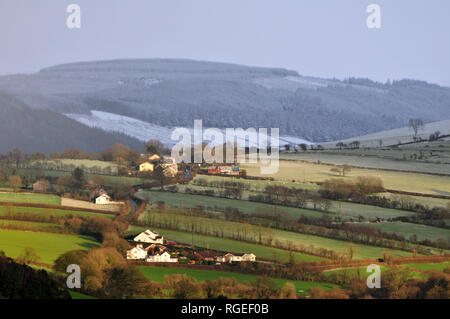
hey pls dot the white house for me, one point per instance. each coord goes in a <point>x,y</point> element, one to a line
<point>229,258</point>
<point>137,252</point>
<point>161,258</point>
<point>248,257</point>
<point>150,237</point>
<point>103,199</point>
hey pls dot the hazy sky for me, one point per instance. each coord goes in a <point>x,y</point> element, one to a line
<point>326,38</point>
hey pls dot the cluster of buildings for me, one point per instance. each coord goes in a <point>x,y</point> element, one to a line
<point>167,163</point>
<point>225,170</point>
<point>156,252</point>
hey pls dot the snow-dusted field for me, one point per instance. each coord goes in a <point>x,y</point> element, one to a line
<point>392,137</point>
<point>144,131</point>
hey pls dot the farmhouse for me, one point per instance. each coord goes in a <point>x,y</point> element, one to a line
<point>230,258</point>
<point>137,252</point>
<point>170,167</point>
<point>150,237</point>
<point>225,170</point>
<point>41,186</point>
<point>161,258</point>
<point>214,170</point>
<point>103,199</point>
<point>248,257</point>
<point>146,167</point>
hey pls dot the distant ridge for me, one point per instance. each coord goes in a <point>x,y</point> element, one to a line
<point>175,92</point>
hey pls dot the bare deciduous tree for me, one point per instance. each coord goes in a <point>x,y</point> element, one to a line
<point>416,125</point>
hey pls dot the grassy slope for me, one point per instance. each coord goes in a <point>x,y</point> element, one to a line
<point>407,229</point>
<point>45,211</point>
<point>342,209</point>
<point>48,246</point>
<point>108,179</point>
<point>362,272</point>
<point>307,172</point>
<point>28,225</point>
<point>431,266</point>
<point>78,295</point>
<point>30,198</point>
<point>189,201</point>
<point>427,201</point>
<point>157,274</point>
<point>345,210</point>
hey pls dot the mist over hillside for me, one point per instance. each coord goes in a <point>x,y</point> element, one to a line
<point>172,93</point>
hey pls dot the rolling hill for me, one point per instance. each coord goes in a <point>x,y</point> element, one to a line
<point>171,92</point>
<point>40,130</point>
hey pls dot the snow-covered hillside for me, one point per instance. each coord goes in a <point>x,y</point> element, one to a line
<point>144,131</point>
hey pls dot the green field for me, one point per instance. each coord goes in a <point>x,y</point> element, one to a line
<point>109,180</point>
<point>362,273</point>
<point>48,246</point>
<point>309,172</point>
<point>26,225</point>
<point>407,230</point>
<point>426,201</point>
<point>429,267</point>
<point>190,201</point>
<point>257,185</point>
<point>345,210</point>
<point>30,198</point>
<point>157,274</point>
<point>12,210</point>
<point>77,295</point>
<point>56,164</point>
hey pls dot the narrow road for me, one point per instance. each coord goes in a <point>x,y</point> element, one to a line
<point>134,207</point>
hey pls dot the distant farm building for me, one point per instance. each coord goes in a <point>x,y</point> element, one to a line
<point>170,166</point>
<point>149,237</point>
<point>161,258</point>
<point>146,167</point>
<point>103,199</point>
<point>225,170</point>
<point>41,186</point>
<point>137,253</point>
<point>230,258</point>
